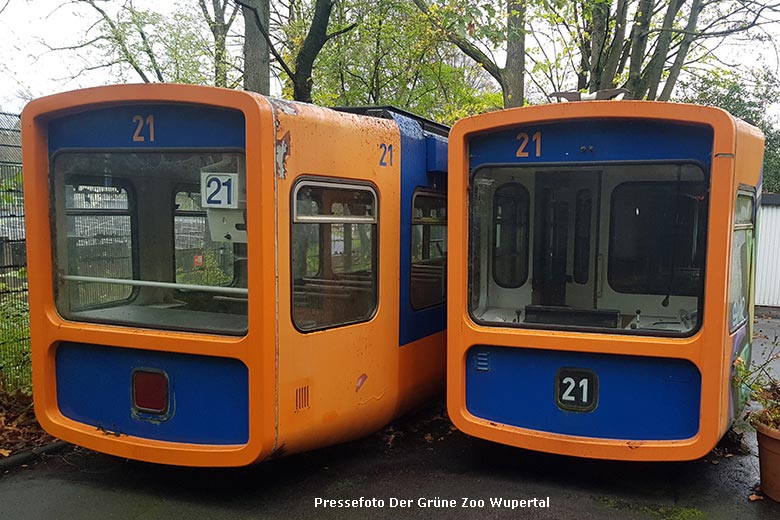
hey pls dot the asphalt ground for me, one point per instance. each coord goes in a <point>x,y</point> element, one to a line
<point>417,468</point>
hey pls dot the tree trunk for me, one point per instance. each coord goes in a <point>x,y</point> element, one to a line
<point>640,33</point>
<point>219,27</point>
<point>651,78</point>
<point>682,52</point>
<point>612,55</point>
<point>600,26</point>
<point>513,73</point>
<point>220,57</point>
<point>257,62</point>
<point>312,45</point>
<point>583,43</point>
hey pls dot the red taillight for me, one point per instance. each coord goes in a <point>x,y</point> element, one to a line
<point>150,391</point>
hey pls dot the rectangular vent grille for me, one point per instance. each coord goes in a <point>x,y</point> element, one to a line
<point>482,361</point>
<point>302,398</point>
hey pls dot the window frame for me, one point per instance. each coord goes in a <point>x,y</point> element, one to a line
<point>526,239</point>
<point>124,177</point>
<point>296,218</point>
<point>131,212</point>
<point>435,194</point>
<point>474,302</point>
<point>750,226</point>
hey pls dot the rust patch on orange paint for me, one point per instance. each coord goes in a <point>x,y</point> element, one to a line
<point>360,382</point>
<point>285,106</point>
<point>632,445</point>
<point>282,153</point>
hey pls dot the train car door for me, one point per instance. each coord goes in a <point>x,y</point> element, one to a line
<point>565,247</point>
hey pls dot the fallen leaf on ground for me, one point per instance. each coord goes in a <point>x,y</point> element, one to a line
<point>18,428</point>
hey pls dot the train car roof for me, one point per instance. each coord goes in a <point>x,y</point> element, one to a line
<point>384,111</point>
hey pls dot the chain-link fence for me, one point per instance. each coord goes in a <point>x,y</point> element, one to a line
<point>14,316</point>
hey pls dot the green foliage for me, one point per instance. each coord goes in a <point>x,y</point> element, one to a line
<point>186,54</point>
<point>746,97</point>
<point>210,273</point>
<point>15,367</point>
<point>764,387</point>
<point>394,57</point>
<point>768,397</point>
<point>174,48</point>
<point>482,21</point>
<point>11,189</point>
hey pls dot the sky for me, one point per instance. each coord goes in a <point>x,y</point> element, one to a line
<point>28,69</point>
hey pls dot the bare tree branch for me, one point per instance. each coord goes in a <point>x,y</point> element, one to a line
<point>674,71</point>
<point>120,41</point>
<point>74,47</point>
<point>342,31</point>
<point>147,48</point>
<point>464,45</point>
<point>267,37</point>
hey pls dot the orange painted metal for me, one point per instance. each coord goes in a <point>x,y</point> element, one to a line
<point>736,158</point>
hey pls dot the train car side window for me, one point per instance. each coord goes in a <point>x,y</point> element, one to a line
<point>742,252</point>
<point>429,250</point>
<point>333,254</point>
<point>510,239</point>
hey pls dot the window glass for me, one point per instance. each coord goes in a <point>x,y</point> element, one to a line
<point>99,242</point>
<point>199,259</point>
<point>333,255</point>
<point>657,237</point>
<point>744,210</point>
<point>582,222</point>
<point>429,250</point>
<point>617,247</point>
<point>136,244</point>
<point>510,237</point>
<point>741,262</point>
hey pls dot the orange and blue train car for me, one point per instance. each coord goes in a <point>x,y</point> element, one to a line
<point>218,278</point>
<point>601,276</point>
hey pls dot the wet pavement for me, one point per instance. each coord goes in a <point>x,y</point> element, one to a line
<point>420,459</point>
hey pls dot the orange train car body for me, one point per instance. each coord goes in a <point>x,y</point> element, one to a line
<point>601,276</point>
<point>215,276</point>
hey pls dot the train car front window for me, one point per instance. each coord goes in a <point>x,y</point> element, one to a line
<point>618,247</point>
<point>156,240</point>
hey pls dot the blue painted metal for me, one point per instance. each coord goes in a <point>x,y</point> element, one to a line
<point>414,325</point>
<point>175,126</point>
<point>436,153</point>
<point>586,141</point>
<point>209,395</point>
<point>639,398</point>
